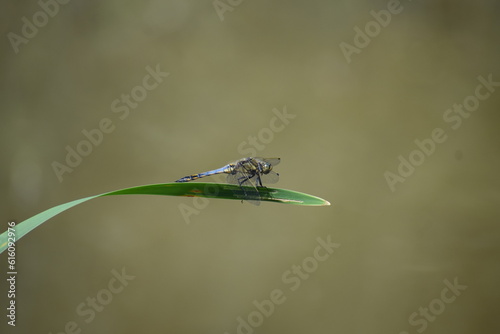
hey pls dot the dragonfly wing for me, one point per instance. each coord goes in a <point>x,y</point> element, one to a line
<point>247,182</point>
<point>269,178</point>
<point>272,161</point>
<point>233,178</point>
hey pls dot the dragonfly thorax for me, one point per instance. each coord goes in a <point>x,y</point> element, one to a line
<point>253,166</point>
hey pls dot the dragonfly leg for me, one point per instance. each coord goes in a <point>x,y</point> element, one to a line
<point>259,180</point>
<point>242,180</point>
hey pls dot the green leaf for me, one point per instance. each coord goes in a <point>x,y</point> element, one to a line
<point>210,190</point>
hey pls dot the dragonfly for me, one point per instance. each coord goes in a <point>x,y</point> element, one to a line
<point>248,173</point>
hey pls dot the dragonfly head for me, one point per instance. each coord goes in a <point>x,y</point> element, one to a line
<point>266,167</point>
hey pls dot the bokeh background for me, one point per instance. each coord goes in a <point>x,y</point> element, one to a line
<point>352,120</point>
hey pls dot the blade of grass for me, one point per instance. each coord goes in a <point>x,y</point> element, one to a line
<point>210,190</point>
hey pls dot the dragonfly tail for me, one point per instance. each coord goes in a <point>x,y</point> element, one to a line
<point>199,176</point>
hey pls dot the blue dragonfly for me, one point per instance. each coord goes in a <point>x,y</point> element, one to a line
<point>249,173</point>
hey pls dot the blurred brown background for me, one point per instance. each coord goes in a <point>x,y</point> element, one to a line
<point>353,117</point>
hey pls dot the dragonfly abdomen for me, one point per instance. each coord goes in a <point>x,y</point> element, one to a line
<point>189,178</point>
<point>197,176</point>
